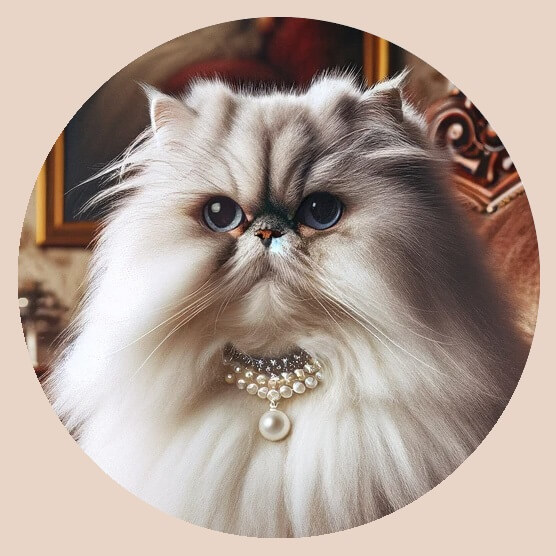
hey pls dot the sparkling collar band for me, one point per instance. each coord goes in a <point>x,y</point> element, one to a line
<point>273,379</point>
<point>272,366</point>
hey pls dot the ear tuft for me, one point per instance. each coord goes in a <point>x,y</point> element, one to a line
<point>389,95</point>
<point>165,111</point>
<point>391,101</point>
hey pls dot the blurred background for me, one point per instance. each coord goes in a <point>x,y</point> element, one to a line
<point>55,250</point>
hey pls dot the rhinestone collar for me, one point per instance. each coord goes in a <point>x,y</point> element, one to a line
<point>271,366</point>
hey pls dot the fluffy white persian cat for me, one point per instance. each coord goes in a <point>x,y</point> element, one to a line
<point>365,263</point>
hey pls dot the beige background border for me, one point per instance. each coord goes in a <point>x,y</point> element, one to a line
<point>56,501</point>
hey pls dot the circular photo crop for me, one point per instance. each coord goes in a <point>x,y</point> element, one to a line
<point>278,277</point>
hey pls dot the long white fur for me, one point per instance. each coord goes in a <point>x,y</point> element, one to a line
<point>420,357</point>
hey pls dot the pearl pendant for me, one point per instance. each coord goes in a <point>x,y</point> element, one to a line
<point>272,379</point>
<point>274,425</point>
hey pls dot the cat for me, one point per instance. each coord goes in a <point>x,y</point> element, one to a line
<point>366,263</point>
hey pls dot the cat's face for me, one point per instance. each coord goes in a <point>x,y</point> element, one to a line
<point>283,215</point>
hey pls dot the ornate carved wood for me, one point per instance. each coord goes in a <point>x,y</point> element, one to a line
<point>483,170</point>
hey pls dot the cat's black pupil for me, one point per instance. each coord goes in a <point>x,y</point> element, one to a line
<point>320,211</point>
<point>324,209</point>
<point>222,214</point>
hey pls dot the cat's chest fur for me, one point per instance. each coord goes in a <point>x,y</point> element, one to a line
<point>342,465</point>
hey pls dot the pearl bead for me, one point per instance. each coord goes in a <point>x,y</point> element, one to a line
<point>298,387</point>
<point>273,395</point>
<point>319,376</point>
<point>262,392</point>
<point>315,363</point>
<point>252,388</point>
<point>248,374</point>
<point>230,378</point>
<point>274,425</point>
<point>237,369</point>
<point>300,373</point>
<point>272,383</point>
<point>261,379</point>
<point>241,383</point>
<point>309,368</point>
<point>311,382</point>
<point>285,391</point>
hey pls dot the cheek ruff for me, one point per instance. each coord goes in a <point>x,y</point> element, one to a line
<point>273,379</point>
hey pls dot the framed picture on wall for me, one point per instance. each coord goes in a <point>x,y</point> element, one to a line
<point>58,223</point>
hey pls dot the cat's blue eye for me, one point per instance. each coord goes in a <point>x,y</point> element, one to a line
<point>222,214</point>
<point>319,211</point>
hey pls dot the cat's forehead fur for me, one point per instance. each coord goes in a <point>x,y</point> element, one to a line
<point>321,93</point>
<point>327,96</point>
<point>271,141</point>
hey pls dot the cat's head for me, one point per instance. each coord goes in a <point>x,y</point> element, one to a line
<point>262,218</point>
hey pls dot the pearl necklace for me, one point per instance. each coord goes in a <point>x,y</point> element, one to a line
<point>273,379</point>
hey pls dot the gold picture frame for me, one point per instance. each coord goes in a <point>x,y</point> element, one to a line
<point>52,229</point>
<point>376,58</point>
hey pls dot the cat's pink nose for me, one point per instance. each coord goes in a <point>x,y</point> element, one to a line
<point>266,236</point>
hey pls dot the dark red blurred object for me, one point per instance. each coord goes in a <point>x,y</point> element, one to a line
<point>293,51</point>
<point>300,48</point>
<point>233,71</point>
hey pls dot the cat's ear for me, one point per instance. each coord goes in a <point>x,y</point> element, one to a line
<point>389,101</point>
<point>167,114</point>
<point>388,96</point>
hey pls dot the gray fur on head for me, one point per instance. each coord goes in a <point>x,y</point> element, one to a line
<point>420,355</point>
